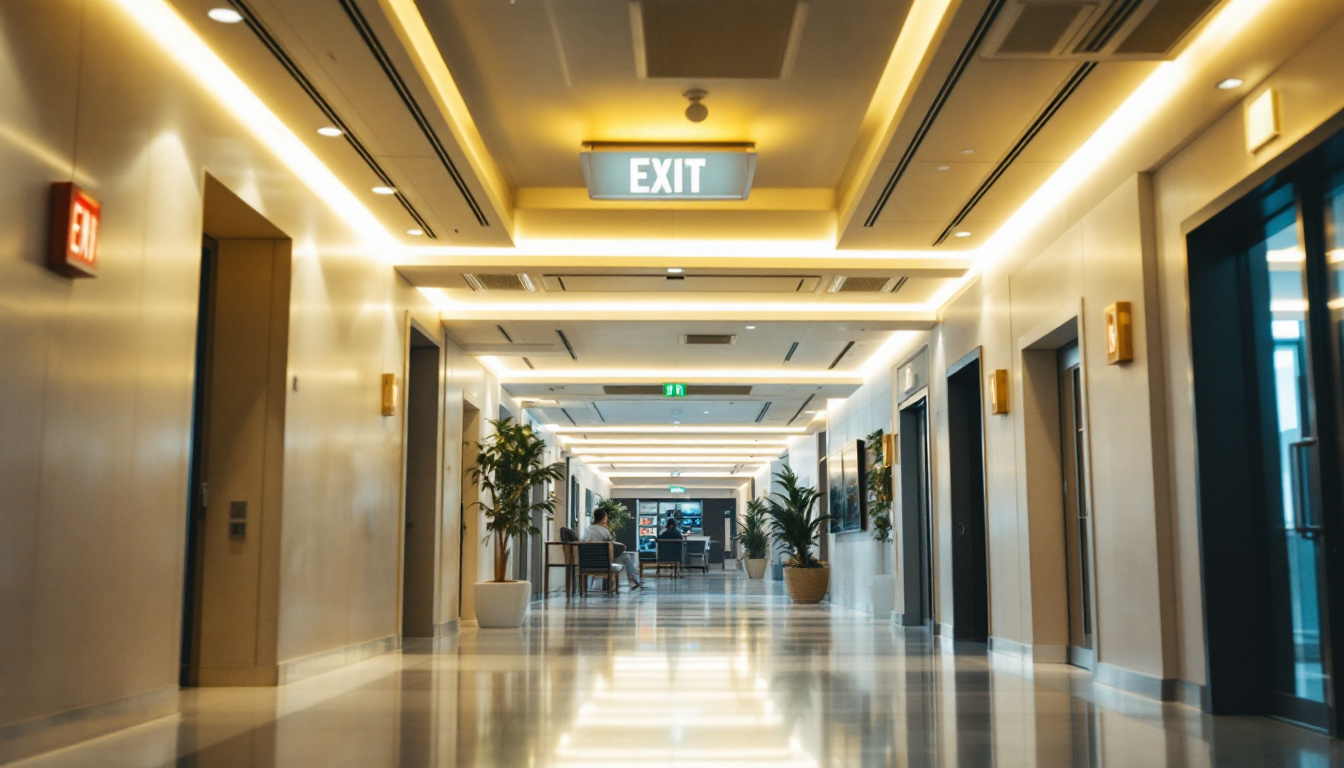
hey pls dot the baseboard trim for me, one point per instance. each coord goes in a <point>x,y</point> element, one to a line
<point>238,677</point>
<point>1037,654</point>
<point>44,734</point>
<point>1190,694</point>
<point>1161,689</point>
<point>303,668</point>
<point>449,627</point>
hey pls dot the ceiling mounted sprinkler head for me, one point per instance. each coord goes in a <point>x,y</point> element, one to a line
<point>697,112</point>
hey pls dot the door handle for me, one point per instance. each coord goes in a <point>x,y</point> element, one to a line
<point>1306,488</point>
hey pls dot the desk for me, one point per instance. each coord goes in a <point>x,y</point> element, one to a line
<point>567,562</point>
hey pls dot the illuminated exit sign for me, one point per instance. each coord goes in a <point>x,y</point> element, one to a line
<point>674,390</point>
<point>668,171</point>
<point>676,488</point>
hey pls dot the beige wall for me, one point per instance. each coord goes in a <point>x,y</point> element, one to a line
<point>97,380</point>
<point>1120,237</point>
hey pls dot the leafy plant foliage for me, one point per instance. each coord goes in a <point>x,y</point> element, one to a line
<point>508,466</point>
<point>617,514</point>
<point>752,530</point>
<point>878,483</point>
<point>791,519</point>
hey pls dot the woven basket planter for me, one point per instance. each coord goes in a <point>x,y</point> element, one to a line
<point>807,585</point>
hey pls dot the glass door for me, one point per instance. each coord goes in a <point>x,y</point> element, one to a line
<point>1280,285</point>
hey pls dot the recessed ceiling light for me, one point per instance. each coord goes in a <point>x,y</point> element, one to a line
<point>384,191</point>
<point>674,270</point>
<point>706,413</point>
<point>675,423</point>
<point>330,130</point>
<point>224,15</point>
<point>1230,83</point>
<point>751,327</point>
<point>415,232</point>
<point>963,233</point>
<point>944,168</point>
<point>968,151</point>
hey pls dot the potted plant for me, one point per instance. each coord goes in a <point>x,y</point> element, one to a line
<point>882,587</point>
<point>805,577</point>
<point>508,466</point>
<point>617,514</point>
<point>755,539</point>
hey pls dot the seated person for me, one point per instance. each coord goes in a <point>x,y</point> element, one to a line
<point>598,532</point>
<point>671,531</point>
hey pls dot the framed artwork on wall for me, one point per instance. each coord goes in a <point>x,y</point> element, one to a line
<point>835,487</point>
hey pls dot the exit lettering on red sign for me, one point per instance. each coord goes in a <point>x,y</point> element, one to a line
<point>75,217</point>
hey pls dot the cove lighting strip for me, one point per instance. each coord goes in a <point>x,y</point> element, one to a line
<point>670,451</point>
<point>744,443</point>
<point>663,429</point>
<point>193,55</point>
<point>1156,93</point>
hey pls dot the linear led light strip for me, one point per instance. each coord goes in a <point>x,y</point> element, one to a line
<point>671,451</point>
<point>181,43</point>
<point>1153,95</point>
<point>664,429</point>
<point>653,441</point>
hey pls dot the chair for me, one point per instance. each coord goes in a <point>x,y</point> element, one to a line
<point>596,558</point>
<point>670,555</point>
<point>647,559</point>
<point>568,538</point>
<point>697,555</point>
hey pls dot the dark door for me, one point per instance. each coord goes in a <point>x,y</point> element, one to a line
<point>1077,522</point>
<point>198,492</point>
<point>917,550</point>
<point>966,464</point>
<point>1267,301</point>
<point>718,514</point>
<point>421,492</point>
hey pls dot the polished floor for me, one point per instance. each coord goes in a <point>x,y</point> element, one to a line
<point>707,670</point>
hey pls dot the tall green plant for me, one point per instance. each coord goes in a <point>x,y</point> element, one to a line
<point>508,466</point>
<point>617,514</point>
<point>752,530</point>
<point>879,487</point>
<point>791,519</point>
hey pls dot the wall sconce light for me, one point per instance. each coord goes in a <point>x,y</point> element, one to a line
<point>998,392</point>
<point>390,394</point>
<point>1119,333</point>
<point>889,456</point>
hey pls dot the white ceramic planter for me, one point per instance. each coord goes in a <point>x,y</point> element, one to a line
<point>502,604</point>
<point>882,592</point>
<point>755,567</point>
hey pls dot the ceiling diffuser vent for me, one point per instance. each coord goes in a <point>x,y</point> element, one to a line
<point>844,284</point>
<point>737,39</point>
<point>1092,30</point>
<point>499,282</point>
<point>709,338</point>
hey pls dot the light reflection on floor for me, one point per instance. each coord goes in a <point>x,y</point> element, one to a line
<point>707,670</point>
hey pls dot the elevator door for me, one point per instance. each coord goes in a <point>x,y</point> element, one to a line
<point>1077,521</point>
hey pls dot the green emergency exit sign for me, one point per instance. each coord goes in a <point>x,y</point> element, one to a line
<point>674,390</point>
<point>676,488</point>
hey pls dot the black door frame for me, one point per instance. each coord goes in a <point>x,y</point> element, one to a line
<point>916,513</point>
<point>1231,483</point>
<point>967,499</point>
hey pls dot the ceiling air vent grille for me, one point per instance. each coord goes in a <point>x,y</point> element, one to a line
<point>499,282</point>
<point>709,338</point>
<point>844,284</point>
<point>1094,30</point>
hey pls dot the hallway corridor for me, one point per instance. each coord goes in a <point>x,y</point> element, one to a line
<point>705,671</point>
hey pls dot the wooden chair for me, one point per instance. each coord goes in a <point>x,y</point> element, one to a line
<point>671,552</point>
<point>697,555</point>
<point>597,558</point>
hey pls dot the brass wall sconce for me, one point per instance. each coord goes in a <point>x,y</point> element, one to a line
<point>998,392</point>
<point>1119,333</point>
<point>390,394</point>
